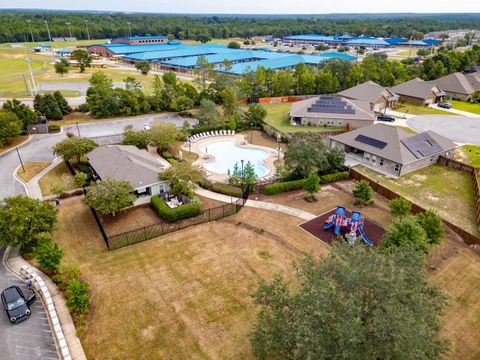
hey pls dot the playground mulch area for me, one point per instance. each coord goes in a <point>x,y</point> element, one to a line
<point>373,231</point>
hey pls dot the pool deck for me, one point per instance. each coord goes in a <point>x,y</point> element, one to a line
<point>241,141</point>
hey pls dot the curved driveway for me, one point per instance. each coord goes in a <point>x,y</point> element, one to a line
<point>459,129</point>
<point>39,147</point>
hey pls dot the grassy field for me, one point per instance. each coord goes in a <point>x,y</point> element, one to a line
<point>469,154</point>
<point>277,116</point>
<point>446,190</point>
<point>31,169</point>
<point>15,67</point>
<point>194,285</point>
<point>465,106</point>
<point>419,110</point>
<point>57,45</point>
<point>58,176</point>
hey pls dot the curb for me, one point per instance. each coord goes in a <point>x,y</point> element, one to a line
<point>28,271</point>
<point>24,184</point>
<point>16,146</point>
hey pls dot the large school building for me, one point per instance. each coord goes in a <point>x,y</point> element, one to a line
<point>175,56</point>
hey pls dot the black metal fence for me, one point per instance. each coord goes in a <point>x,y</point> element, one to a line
<point>117,241</point>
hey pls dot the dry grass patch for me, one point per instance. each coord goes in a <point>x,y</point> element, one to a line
<point>448,191</point>
<point>58,176</point>
<point>185,295</point>
<point>261,138</point>
<point>456,269</point>
<point>31,169</point>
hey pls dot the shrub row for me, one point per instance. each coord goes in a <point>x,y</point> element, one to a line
<point>277,188</point>
<point>53,128</point>
<point>225,189</point>
<point>181,212</point>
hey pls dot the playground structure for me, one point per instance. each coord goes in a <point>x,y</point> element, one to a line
<point>353,225</point>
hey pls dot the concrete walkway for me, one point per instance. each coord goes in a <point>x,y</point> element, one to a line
<point>455,111</point>
<point>33,188</point>
<point>304,215</point>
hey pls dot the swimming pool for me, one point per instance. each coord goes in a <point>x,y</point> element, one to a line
<point>227,153</point>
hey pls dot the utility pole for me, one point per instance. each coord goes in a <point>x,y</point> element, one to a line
<point>48,30</point>
<point>26,85</point>
<point>20,158</point>
<point>86,25</point>
<point>31,75</point>
<point>31,32</point>
<point>129,29</point>
<point>69,29</point>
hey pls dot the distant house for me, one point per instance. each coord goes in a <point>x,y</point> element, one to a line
<point>332,110</point>
<point>474,80</point>
<point>455,86</point>
<point>378,97</point>
<point>127,162</point>
<point>392,151</point>
<point>419,92</point>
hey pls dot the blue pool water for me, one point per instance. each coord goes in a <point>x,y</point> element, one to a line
<point>227,154</point>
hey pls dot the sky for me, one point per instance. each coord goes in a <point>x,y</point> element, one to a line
<point>253,6</point>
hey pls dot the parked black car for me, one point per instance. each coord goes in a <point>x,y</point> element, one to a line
<point>16,305</point>
<point>385,117</point>
<point>445,105</point>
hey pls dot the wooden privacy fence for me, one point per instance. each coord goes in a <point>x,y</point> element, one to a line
<point>454,164</point>
<point>468,238</point>
<point>140,234</point>
<point>279,99</point>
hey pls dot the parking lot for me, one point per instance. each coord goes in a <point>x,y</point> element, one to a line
<point>31,339</point>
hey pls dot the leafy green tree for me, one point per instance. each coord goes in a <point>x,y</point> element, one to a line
<point>26,115</point>
<point>132,84</point>
<point>354,304</point>
<point>182,103</point>
<point>326,82</point>
<point>100,99</point>
<point>22,219</point>
<point>109,196</point>
<point>74,148</point>
<point>170,78</point>
<point>255,116</point>
<point>362,193</point>
<point>307,152</point>
<point>233,45</point>
<point>143,66</point>
<point>204,69</point>
<point>48,254</point>
<point>400,207</point>
<point>246,179</point>
<point>183,177</point>
<point>432,223</point>
<point>163,134</point>
<point>406,232</point>
<point>62,66</point>
<point>62,103</point>
<point>81,178</point>
<point>311,185</point>
<point>10,127</point>
<point>230,103</point>
<point>140,139</point>
<point>77,296</point>
<point>208,116</point>
<point>157,85</point>
<point>82,57</point>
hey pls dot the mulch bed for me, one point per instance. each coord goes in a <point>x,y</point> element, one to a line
<point>373,231</point>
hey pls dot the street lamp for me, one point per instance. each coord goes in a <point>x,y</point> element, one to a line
<point>48,30</point>
<point>69,29</point>
<point>78,129</point>
<point>31,32</point>
<point>189,146</point>
<point>129,28</point>
<point>86,25</point>
<point>243,176</point>
<point>251,133</point>
<point>20,158</point>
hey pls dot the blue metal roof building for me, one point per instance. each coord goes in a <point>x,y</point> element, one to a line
<point>364,41</point>
<point>395,41</point>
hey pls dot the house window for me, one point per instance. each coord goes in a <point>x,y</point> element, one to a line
<point>397,167</point>
<point>381,162</point>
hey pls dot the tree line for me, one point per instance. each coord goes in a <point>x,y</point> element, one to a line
<point>14,27</point>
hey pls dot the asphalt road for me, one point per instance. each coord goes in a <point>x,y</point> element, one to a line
<point>30,339</point>
<point>80,86</point>
<point>39,147</point>
<point>459,129</point>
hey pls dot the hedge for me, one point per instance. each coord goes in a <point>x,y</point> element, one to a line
<point>226,189</point>
<point>277,188</point>
<point>181,212</point>
<point>329,178</point>
<point>52,128</point>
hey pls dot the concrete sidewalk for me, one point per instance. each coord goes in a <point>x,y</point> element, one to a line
<point>258,204</point>
<point>455,111</point>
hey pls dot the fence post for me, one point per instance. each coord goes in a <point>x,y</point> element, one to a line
<point>208,214</point>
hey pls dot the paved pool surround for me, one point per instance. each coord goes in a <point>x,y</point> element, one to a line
<point>240,140</point>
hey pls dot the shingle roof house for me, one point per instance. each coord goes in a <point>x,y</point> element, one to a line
<point>332,110</point>
<point>455,85</point>
<point>391,150</point>
<point>419,92</point>
<point>474,80</point>
<point>378,96</point>
<point>127,162</point>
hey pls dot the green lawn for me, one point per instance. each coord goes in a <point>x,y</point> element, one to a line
<point>448,191</point>
<point>14,67</point>
<point>469,154</point>
<point>56,45</point>
<point>419,110</point>
<point>277,116</point>
<point>465,106</point>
